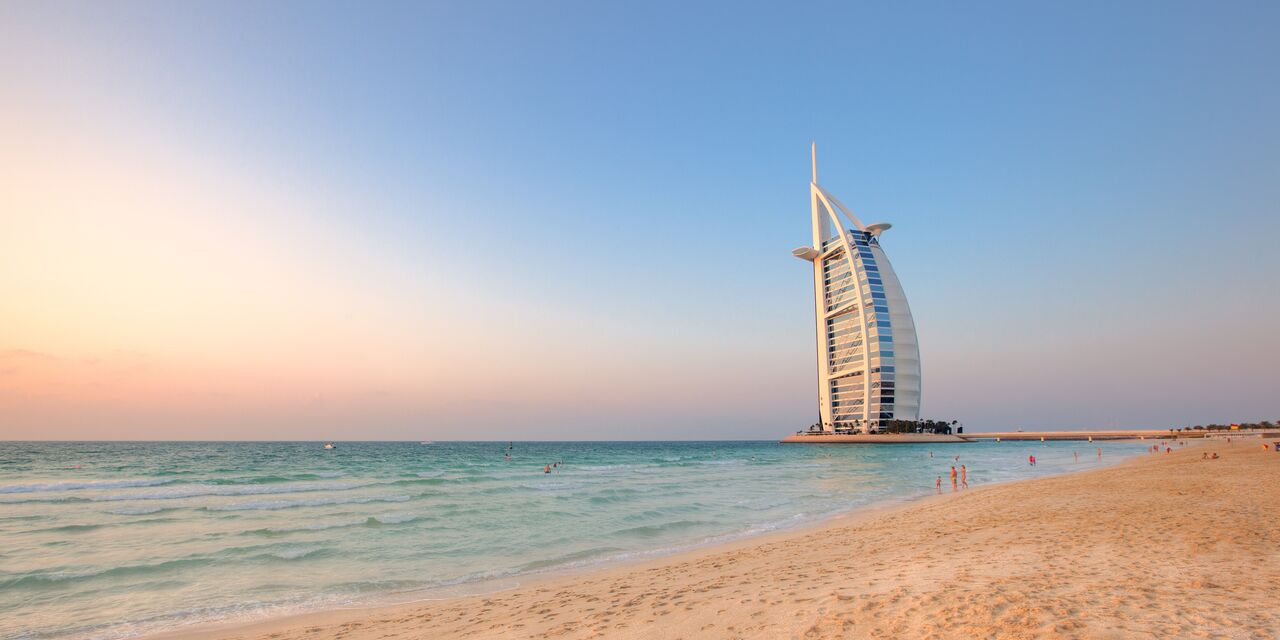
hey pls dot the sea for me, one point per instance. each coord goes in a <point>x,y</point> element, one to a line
<point>125,539</point>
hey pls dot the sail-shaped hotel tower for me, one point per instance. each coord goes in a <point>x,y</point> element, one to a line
<point>868,356</point>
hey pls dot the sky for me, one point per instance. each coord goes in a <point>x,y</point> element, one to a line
<point>573,220</point>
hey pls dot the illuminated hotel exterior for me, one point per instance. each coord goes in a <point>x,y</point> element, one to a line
<point>868,356</point>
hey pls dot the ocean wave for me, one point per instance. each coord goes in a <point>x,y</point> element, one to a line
<point>759,528</point>
<point>668,510</point>
<point>272,505</point>
<point>46,487</point>
<point>648,531</point>
<point>614,496</point>
<point>378,520</point>
<point>68,528</point>
<point>417,481</point>
<point>66,576</point>
<point>585,556</point>
<point>611,467</point>
<point>318,526</point>
<point>393,518</point>
<point>59,499</point>
<point>471,477</point>
<point>188,617</point>
<point>200,490</point>
<point>261,479</point>
<point>551,486</point>
<point>295,553</point>
<point>273,478</point>
<point>764,504</point>
<point>138,511</point>
<point>454,511</point>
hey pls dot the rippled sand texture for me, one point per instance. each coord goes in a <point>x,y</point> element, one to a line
<point>1168,545</point>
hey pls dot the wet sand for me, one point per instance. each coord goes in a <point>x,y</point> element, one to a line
<point>1163,546</point>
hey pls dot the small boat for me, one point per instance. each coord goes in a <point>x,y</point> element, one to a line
<point>329,445</point>
<point>426,442</point>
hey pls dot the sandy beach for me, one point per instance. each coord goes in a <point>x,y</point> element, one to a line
<point>1162,546</point>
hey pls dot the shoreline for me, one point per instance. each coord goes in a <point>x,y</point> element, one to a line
<point>536,578</point>
<point>503,588</point>
<point>540,579</point>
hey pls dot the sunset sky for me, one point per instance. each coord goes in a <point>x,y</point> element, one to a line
<point>554,220</point>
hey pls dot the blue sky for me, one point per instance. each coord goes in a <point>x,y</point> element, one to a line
<point>1083,198</point>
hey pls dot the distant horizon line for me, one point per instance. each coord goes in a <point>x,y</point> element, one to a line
<point>435,440</point>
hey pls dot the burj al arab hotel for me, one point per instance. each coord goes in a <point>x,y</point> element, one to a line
<point>868,356</point>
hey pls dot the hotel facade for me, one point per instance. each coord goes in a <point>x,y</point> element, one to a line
<point>868,355</point>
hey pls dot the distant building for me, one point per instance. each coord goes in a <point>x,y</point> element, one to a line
<point>868,356</point>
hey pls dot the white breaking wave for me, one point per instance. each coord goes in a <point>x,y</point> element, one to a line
<point>198,490</point>
<point>319,526</point>
<point>395,518</point>
<point>295,552</point>
<point>136,511</point>
<point>289,504</point>
<point>42,487</point>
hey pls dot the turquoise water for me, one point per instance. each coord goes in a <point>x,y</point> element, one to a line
<point>111,540</point>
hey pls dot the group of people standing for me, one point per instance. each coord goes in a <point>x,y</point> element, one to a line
<point>960,479</point>
<point>964,478</point>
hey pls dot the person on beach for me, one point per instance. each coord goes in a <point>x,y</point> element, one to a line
<point>1031,460</point>
<point>938,484</point>
<point>964,477</point>
<point>953,478</point>
<point>1099,453</point>
<point>547,469</point>
<point>1076,455</point>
